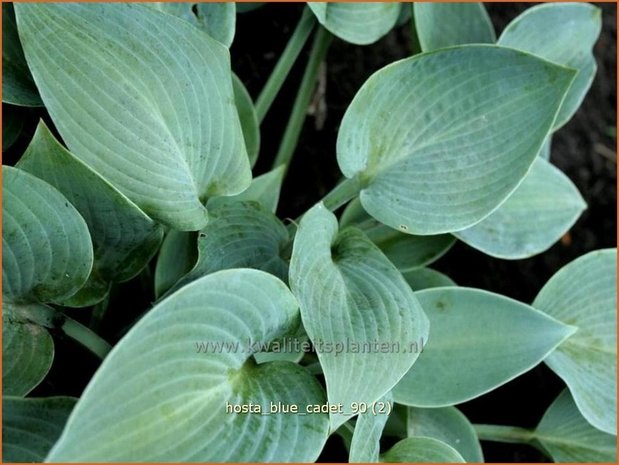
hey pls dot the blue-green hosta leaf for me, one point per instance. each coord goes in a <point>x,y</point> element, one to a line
<point>218,20</point>
<point>156,91</point>
<point>541,210</point>
<point>30,427</point>
<point>177,256</point>
<point>568,437</point>
<point>584,294</point>
<point>406,11</point>
<point>365,444</point>
<point>359,23</point>
<point>46,249</point>
<point>438,141</point>
<point>563,33</point>
<point>124,238</point>
<point>479,341</point>
<point>156,398</point>
<point>406,252</point>
<point>421,450</point>
<point>449,425</point>
<point>352,296</point>
<point>426,278</point>
<point>18,88</point>
<point>264,189</point>
<point>249,120</point>
<point>441,25</point>
<point>240,235</point>
<point>27,351</point>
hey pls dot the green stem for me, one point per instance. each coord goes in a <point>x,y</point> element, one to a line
<point>500,433</point>
<point>285,63</point>
<point>49,317</point>
<point>342,193</point>
<point>86,337</point>
<point>302,101</point>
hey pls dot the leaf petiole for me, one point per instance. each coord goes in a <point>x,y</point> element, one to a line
<point>320,45</point>
<point>285,63</point>
<point>501,433</point>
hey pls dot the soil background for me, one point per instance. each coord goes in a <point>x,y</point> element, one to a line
<point>585,149</point>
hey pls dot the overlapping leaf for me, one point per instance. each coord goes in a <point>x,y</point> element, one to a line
<point>441,25</point>
<point>449,425</point>
<point>359,23</point>
<point>350,294</point>
<point>124,238</point>
<point>27,351</point>
<point>426,278</point>
<point>249,120</point>
<point>539,212</point>
<point>479,341</point>
<point>442,149</point>
<point>365,443</point>
<point>156,91</point>
<point>568,437</point>
<point>240,235</point>
<point>30,427</point>
<point>421,450</point>
<point>406,251</point>
<point>264,189</point>
<point>18,88</point>
<point>563,33</point>
<point>177,256</point>
<point>171,403</point>
<point>584,294</point>
<point>46,249</point>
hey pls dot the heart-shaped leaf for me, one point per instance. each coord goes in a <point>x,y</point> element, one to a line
<point>174,402</point>
<point>358,311</point>
<point>156,91</point>
<point>30,427</point>
<point>448,425</point>
<point>567,437</point>
<point>539,212</point>
<point>240,235</point>
<point>124,238</point>
<point>365,443</point>
<point>563,33</point>
<point>438,141</point>
<point>177,256</point>
<point>426,278</point>
<point>441,25</point>
<point>406,251</point>
<point>18,88</point>
<point>27,351</point>
<point>422,450</point>
<point>359,23</point>
<point>479,341</point>
<point>249,120</point>
<point>584,294</point>
<point>47,253</point>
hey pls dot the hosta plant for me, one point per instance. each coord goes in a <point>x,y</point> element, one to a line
<point>266,337</point>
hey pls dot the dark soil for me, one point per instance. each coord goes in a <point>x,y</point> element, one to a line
<point>584,149</point>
